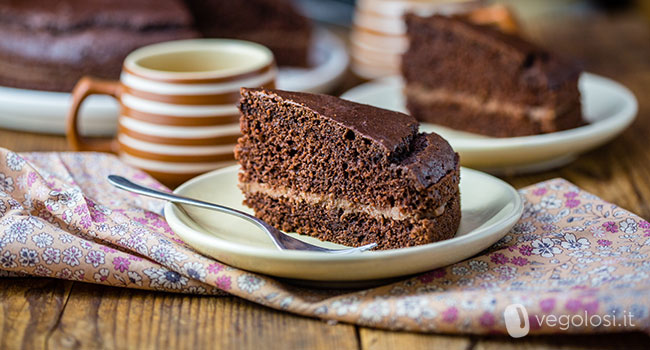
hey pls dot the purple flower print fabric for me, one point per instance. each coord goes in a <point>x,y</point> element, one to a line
<point>570,254</point>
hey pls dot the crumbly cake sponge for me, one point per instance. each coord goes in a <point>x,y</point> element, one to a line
<point>345,172</point>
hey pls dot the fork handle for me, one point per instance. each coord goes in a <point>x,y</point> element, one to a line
<point>125,184</point>
<point>281,240</point>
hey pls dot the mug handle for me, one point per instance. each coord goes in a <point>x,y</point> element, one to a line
<point>85,87</point>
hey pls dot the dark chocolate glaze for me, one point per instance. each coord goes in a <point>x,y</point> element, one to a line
<point>45,60</point>
<point>431,159</point>
<point>67,15</point>
<point>51,44</point>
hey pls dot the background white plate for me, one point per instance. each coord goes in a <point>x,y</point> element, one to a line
<point>608,107</point>
<point>45,111</point>
<point>490,207</point>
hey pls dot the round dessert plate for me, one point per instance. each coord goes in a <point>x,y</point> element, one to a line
<point>45,111</point>
<point>330,59</point>
<point>490,207</point>
<point>608,107</point>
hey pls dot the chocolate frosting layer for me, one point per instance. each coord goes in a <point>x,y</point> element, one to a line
<point>431,159</point>
<point>77,14</point>
<point>390,129</point>
<point>50,44</point>
<point>82,48</point>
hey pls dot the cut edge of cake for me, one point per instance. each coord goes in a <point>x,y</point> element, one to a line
<point>426,199</point>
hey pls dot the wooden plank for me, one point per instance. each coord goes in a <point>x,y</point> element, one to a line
<point>29,310</point>
<point>572,342</point>
<point>377,339</point>
<point>28,142</point>
<point>115,318</point>
<point>372,339</point>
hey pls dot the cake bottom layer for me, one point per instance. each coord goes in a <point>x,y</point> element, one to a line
<point>467,117</point>
<point>354,228</point>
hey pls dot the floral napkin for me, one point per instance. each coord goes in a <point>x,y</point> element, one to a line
<point>571,254</point>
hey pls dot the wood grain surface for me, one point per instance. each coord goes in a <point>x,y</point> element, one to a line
<point>38,313</point>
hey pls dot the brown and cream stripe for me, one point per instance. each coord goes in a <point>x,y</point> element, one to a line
<point>178,105</point>
<point>176,128</point>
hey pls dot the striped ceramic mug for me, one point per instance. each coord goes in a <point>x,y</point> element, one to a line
<point>178,105</point>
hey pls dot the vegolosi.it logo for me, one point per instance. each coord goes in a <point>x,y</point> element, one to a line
<point>518,323</point>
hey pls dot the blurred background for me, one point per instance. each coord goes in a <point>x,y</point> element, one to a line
<point>575,28</point>
<point>341,12</point>
<point>608,37</point>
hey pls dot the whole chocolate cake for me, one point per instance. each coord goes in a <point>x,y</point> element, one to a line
<point>50,45</point>
<point>478,79</point>
<point>273,23</point>
<point>345,172</point>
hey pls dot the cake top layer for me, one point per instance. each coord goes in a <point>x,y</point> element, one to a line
<point>64,15</point>
<point>392,130</point>
<point>537,62</point>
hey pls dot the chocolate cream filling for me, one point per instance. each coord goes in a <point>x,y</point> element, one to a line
<point>539,114</point>
<point>328,201</point>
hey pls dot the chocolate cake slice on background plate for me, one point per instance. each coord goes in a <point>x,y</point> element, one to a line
<point>345,172</point>
<point>478,79</point>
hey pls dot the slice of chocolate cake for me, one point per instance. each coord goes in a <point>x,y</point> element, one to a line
<point>345,172</point>
<point>478,79</point>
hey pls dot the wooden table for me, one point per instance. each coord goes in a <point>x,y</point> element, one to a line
<point>48,313</point>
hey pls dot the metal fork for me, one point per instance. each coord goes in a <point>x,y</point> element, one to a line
<point>281,240</point>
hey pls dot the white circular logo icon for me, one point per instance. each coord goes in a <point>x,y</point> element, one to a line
<point>517,322</point>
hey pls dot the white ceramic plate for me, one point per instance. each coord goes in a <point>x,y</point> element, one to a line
<point>45,111</point>
<point>608,107</point>
<point>331,61</point>
<point>490,207</point>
